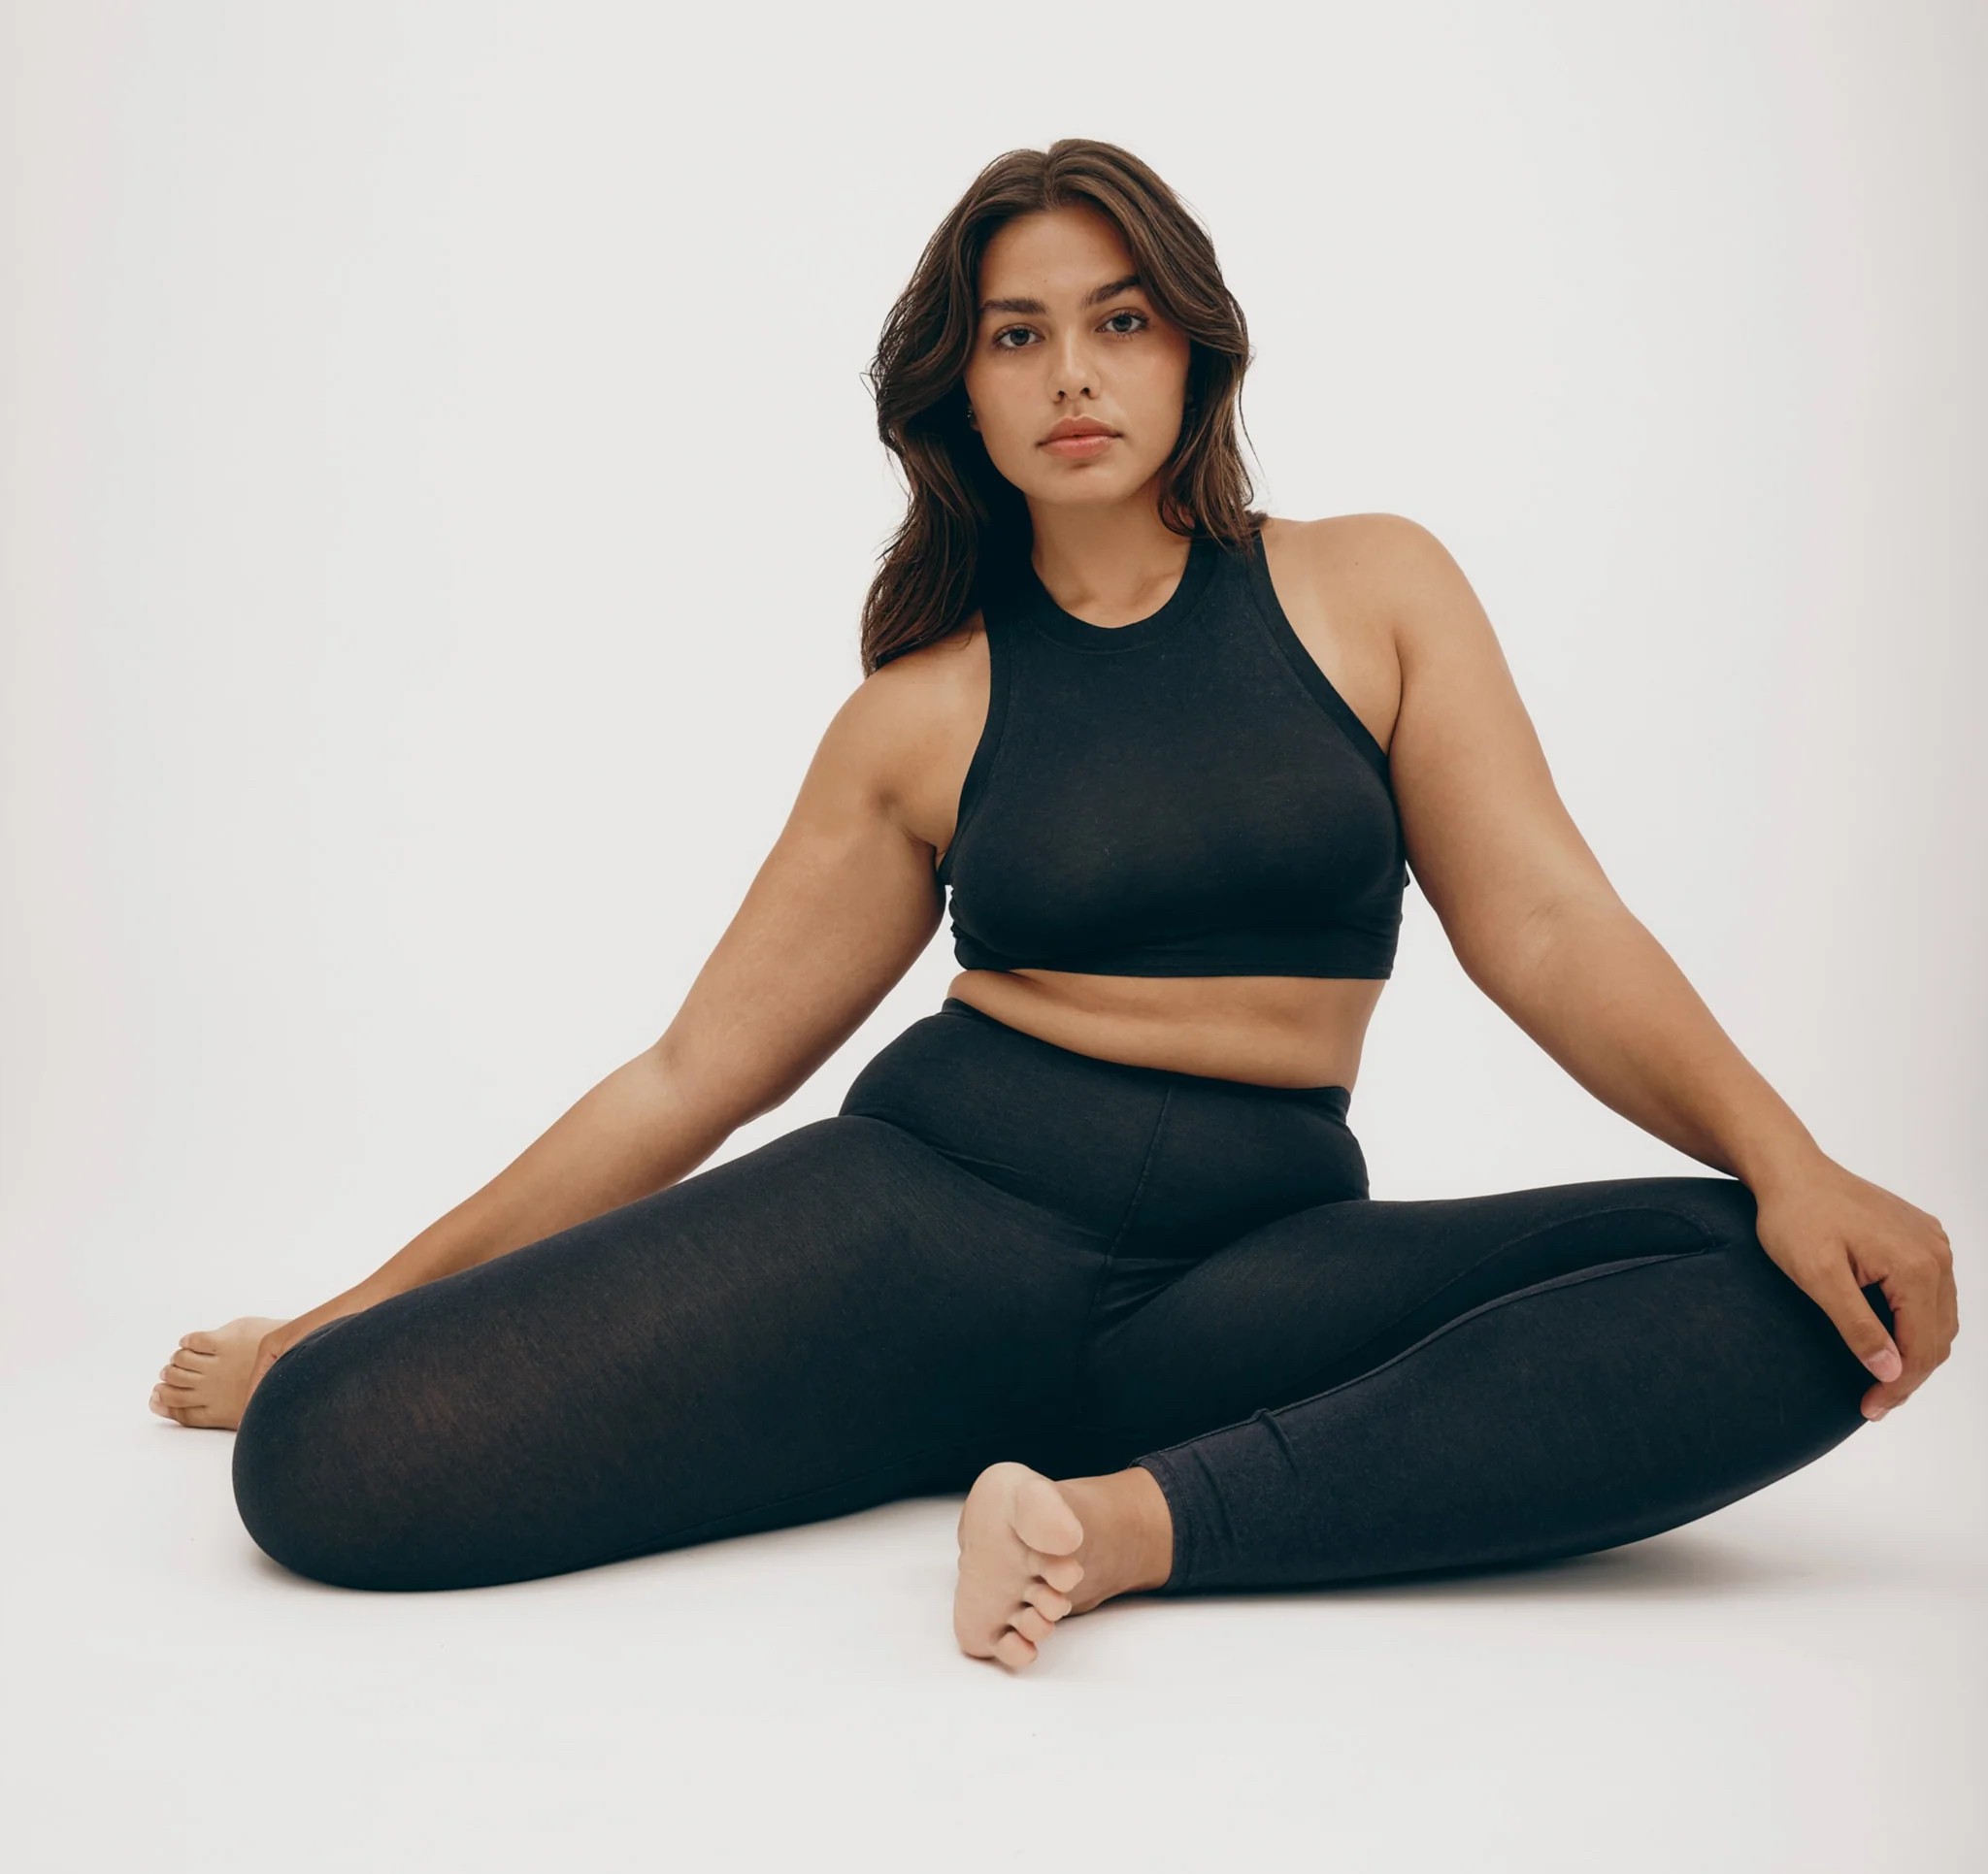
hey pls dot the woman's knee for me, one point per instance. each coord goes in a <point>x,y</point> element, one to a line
<point>1729,1214</point>
<point>307,1463</point>
<point>1722,1209</point>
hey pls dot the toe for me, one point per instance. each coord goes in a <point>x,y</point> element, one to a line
<point>1045,1600</point>
<point>1060,1571</point>
<point>200,1342</point>
<point>1031,1626</point>
<point>191,1364</point>
<point>1043,1519</point>
<point>1011,1649</point>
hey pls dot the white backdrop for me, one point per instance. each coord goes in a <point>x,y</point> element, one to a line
<point>438,491</point>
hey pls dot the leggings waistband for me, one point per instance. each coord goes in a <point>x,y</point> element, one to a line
<point>1148,1158</point>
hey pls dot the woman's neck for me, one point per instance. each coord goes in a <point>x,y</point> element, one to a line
<point>1107,565</point>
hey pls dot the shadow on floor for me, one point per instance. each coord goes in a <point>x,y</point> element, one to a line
<point>1678,1566</point>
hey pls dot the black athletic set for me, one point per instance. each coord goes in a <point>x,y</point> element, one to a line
<point>1001,1248</point>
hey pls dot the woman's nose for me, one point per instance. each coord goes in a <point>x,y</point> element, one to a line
<point>1073,368</point>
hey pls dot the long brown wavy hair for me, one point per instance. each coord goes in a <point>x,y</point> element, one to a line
<point>959,508</point>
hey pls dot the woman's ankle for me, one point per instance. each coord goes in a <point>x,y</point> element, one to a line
<point>1128,1534</point>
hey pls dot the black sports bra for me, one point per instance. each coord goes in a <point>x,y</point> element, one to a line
<point>1188,795</point>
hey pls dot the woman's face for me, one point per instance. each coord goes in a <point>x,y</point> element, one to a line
<point>1077,384</point>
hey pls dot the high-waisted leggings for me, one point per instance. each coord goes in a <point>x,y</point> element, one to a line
<point>1003,1249</point>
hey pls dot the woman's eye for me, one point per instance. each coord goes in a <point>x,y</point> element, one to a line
<point>1117,323</point>
<point>1020,334</point>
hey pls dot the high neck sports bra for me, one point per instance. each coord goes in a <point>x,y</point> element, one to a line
<point>1188,795</point>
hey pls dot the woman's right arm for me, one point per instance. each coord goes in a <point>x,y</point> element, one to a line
<point>841,909</point>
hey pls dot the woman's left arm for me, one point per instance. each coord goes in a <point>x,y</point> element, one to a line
<point>1539,928</point>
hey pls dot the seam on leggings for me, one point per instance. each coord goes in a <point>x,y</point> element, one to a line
<point>1710,1239</point>
<point>1573,1280</point>
<point>1145,1167</point>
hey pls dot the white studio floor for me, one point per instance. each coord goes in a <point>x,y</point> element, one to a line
<point>1798,1682</point>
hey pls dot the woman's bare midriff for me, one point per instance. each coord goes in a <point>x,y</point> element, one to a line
<point>1271,1031</point>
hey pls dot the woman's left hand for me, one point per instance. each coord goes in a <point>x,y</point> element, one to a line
<point>1835,1234</point>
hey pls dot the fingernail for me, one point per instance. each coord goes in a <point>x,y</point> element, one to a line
<point>1886,1364</point>
<point>1876,1412</point>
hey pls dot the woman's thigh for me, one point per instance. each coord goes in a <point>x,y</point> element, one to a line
<point>1328,1292</point>
<point>835,1319</point>
<point>1373,1387</point>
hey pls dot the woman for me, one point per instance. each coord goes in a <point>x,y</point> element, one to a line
<point>1100,1219</point>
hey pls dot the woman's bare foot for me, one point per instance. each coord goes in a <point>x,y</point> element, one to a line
<point>1032,1551</point>
<point>206,1382</point>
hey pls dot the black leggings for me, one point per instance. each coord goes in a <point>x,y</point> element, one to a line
<point>1002,1249</point>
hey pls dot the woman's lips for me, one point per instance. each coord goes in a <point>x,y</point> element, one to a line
<point>1077,448</point>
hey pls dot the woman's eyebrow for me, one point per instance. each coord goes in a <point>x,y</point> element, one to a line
<point>1035,309</point>
<point>1113,289</point>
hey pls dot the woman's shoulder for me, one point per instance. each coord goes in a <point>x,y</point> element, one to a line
<point>1354,546</point>
<point>917,710</point>
<point>1370,572</point>
<point>1368,596</point>
<point>948,674</point>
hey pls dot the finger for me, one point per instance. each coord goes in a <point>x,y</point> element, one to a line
<point>1950,1298</point>
<point>1842,1301</point>
<point>1919,1327</point>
